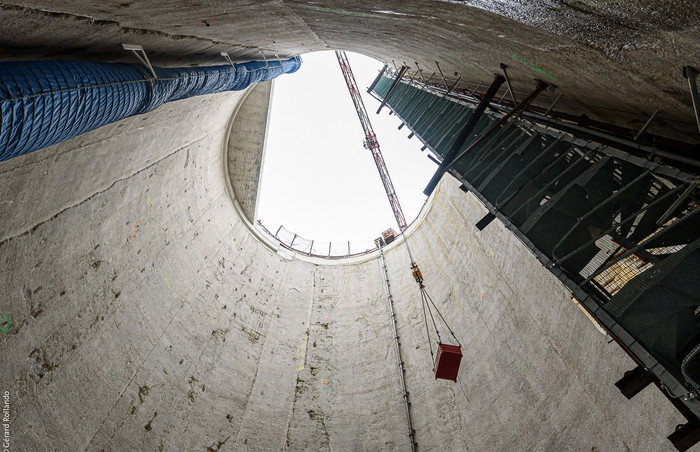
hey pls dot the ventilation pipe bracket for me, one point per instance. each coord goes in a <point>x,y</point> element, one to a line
<point>143,59</point>
<point>228,58</point>
<point>263,55</point>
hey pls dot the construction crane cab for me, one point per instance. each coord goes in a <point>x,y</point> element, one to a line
<point>386,238</point>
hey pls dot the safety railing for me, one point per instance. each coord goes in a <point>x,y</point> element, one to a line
<point>314,248</point>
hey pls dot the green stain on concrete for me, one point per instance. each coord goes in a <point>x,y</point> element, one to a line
<point>468,65</point>
<point>340,11</point>
<point>8,322</point>
<point>538,69</point>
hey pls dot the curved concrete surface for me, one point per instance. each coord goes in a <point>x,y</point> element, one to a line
<point>246,146</point>
<point>617,61</point>
<point>145,315</point>
<point>190,333</point>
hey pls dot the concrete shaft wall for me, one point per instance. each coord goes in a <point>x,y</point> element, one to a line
<point>185,332</point>
<point>246,146</point>
<point>145,315</point>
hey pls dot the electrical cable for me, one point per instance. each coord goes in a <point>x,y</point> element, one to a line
<point>462,387</point>
<point>688,395</point>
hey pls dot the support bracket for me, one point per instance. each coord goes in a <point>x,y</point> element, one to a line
<point>441,74</point>
<point>455,85</point>
<point>263,55</point>
<point>420,71</point>
<point>552,106</point>
<point>691,74</point>
<point>136,49</point>
<point>634,381</point>
<point>488,218</point>
<point>477,87</point>
<point>510,87</point>
<point>644,127</point>
<point>686,435</point>
<point>228,58</point>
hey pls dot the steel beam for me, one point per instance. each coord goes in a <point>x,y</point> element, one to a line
<point>634,381</point>
<point>686,435</point>
<point>392,87</point>
<point>465,132</point>
<point>376,80</point>
<point>664,218</point>
<point>540,86</point>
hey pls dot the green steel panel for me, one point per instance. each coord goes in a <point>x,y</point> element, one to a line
<point>563,199</point>
<point>382,86</point>
<point>443,146</point>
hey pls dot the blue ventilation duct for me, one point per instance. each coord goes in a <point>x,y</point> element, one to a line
<point>45,102</point>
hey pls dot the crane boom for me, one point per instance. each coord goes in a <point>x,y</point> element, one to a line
<point>371,142</point>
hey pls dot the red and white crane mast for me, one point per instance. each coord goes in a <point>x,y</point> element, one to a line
<point>371,142</point>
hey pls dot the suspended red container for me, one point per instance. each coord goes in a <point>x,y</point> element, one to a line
<point>447,362</point>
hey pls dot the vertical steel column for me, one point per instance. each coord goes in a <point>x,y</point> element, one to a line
<point>401,368</point>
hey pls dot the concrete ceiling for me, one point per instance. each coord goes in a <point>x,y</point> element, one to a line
<point>617,61</point>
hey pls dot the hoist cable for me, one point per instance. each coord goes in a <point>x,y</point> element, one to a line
<point>427,332</point>
<point>425,298</point>
<point>443,319</point>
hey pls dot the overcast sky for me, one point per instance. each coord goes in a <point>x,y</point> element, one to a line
<point>318,180</point>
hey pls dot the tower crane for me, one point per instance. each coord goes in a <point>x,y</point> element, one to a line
<point>446,365</point>
<point>371,142</point>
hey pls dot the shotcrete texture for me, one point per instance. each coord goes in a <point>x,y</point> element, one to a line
<point>148,313</point>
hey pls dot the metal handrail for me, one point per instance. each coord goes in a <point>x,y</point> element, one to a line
<point>309,253</point>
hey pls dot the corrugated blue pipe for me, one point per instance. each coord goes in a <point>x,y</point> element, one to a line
<point>45,102</point>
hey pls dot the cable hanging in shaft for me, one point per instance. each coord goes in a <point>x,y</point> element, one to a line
<point>448,366</point>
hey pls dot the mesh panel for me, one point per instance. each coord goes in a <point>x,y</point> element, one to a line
<point>659,310</point>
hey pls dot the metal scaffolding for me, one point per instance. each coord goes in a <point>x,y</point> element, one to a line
<point>620,229</point>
